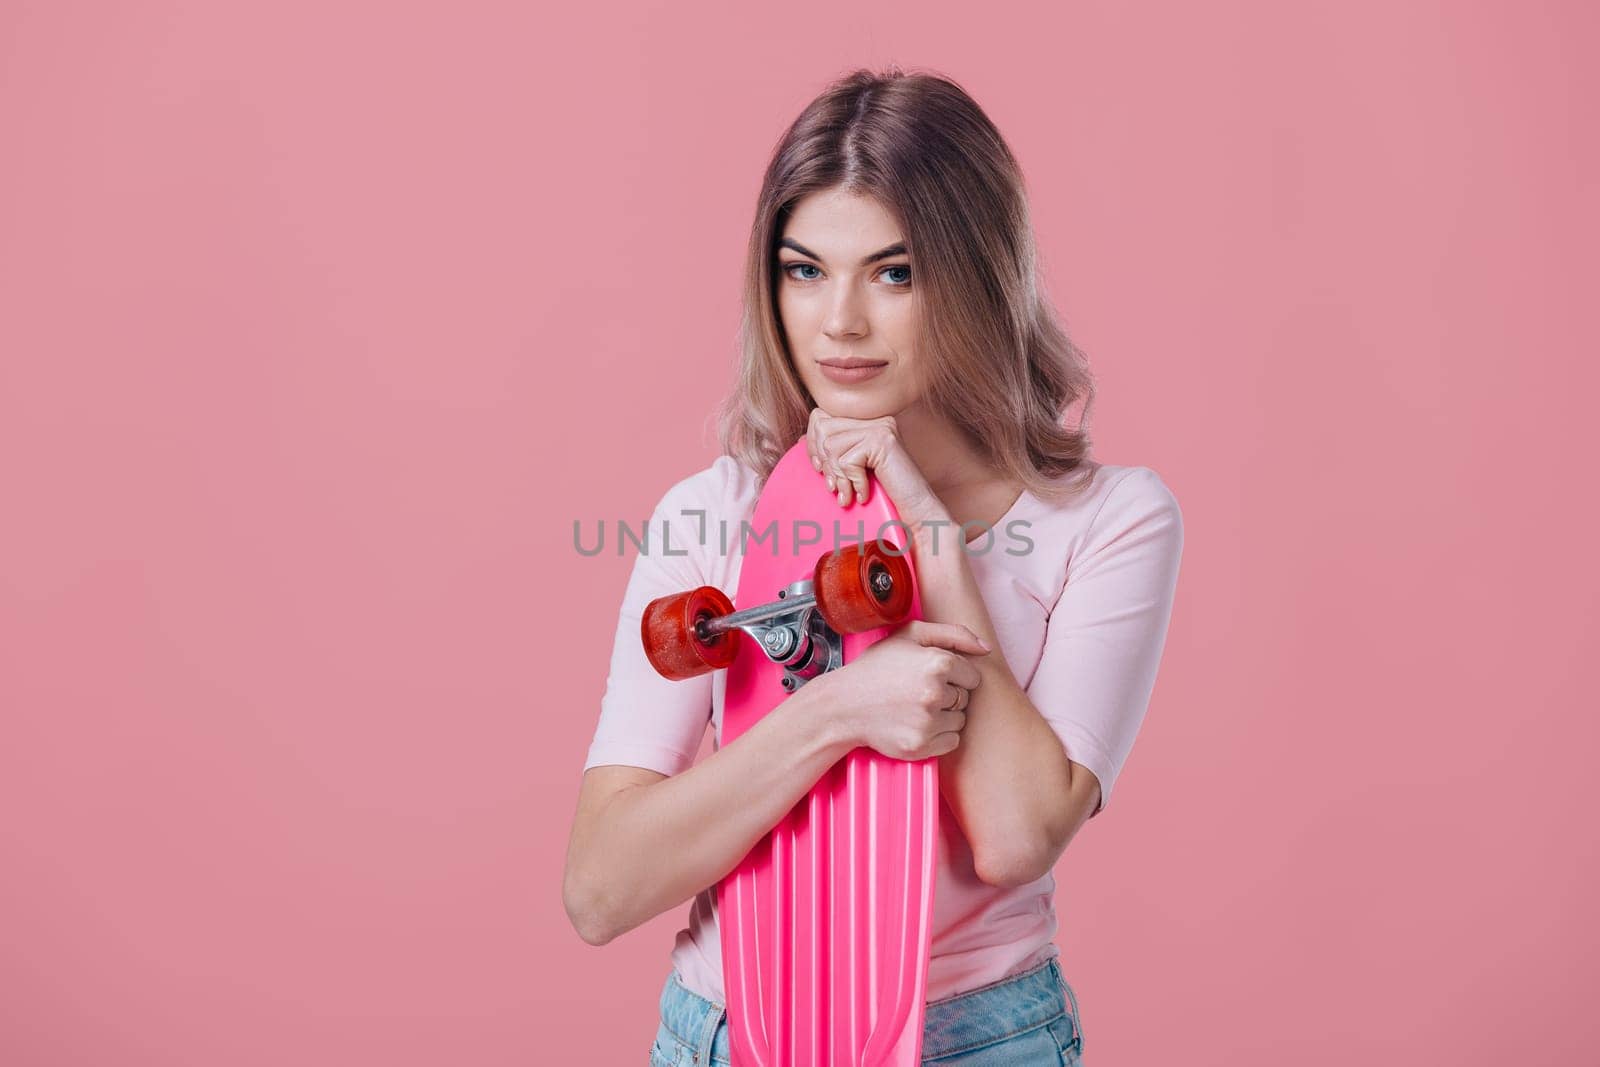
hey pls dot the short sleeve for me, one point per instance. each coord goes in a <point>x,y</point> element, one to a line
<point>1105,633</point>
<point>647,720</point>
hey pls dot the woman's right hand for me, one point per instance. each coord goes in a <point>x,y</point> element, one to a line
<point>906,696</point>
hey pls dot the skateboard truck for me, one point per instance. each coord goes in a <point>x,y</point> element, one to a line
<point>853,589</point>
<point>790,630</point>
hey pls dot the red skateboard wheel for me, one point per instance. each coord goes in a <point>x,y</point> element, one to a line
<point>862,587</point>
<point>667,630</point>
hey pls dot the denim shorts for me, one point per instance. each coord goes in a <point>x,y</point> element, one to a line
<point>1027,1020</point>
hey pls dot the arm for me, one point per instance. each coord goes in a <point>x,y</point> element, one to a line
<point>1088,694</point>
<point>643,848</point>
<point>1033,765</point>
<point>1016,834</point>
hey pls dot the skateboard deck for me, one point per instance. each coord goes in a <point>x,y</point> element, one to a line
<point>826,923</point>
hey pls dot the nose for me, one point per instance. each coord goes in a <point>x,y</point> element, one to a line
<point>846,315</point>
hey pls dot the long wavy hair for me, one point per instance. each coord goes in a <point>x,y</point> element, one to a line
<point>1001,368</point>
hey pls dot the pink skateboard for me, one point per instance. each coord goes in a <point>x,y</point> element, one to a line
<point>826,924</point>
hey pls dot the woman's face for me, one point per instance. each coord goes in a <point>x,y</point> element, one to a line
<point>845,293</point>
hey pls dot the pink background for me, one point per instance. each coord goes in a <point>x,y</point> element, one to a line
<point>322,323</point>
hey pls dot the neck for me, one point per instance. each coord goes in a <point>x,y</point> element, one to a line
<point>940,452</point>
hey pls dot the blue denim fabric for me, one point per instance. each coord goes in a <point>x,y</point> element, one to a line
<point>1027,1020</point>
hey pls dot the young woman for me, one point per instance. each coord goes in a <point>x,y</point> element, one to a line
<point>895,320</point>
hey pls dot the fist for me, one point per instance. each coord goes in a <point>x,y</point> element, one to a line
<point>907,694</point>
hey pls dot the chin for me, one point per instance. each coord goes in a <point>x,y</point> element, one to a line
<point>854,403</point>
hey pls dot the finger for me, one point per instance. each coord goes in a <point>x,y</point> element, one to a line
<point>853,448</point>
<point>965,673</point>
<point>829,475</point>
<point>830,468</point>
<point>951,635</point>
<point>959,669</point>
<point>846,480</point>
<point>839,483</point>
<point>854,463</point>
<point>843,487</point>
<point>837,444</point>
<point>814,442</point>
<point>818,434</point>
<point>955,698</point>
<point>952,721</point>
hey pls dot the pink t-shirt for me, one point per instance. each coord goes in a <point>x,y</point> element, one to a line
<point>1080,594</point>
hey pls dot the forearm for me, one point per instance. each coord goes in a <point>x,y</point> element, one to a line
<point>999,780</point>
<point>659,844</point>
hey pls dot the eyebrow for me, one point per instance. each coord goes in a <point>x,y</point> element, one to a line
<point>896,249</point>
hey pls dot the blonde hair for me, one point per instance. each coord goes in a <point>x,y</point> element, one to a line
<point>1001,368</point>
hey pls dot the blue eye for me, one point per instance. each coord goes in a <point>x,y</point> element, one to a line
<point>904,281</point>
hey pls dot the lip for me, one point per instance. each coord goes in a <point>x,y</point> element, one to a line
<point>848,372</point>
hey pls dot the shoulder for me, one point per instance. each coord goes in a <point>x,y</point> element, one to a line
<point>1134,491</point>
<point>1134,514</point>
<point>1116,512</point>
<point>724,486</point>
<point>690,520</point>
<point>1112,494</point>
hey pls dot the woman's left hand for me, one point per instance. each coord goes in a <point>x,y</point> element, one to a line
<point>843,450</point>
